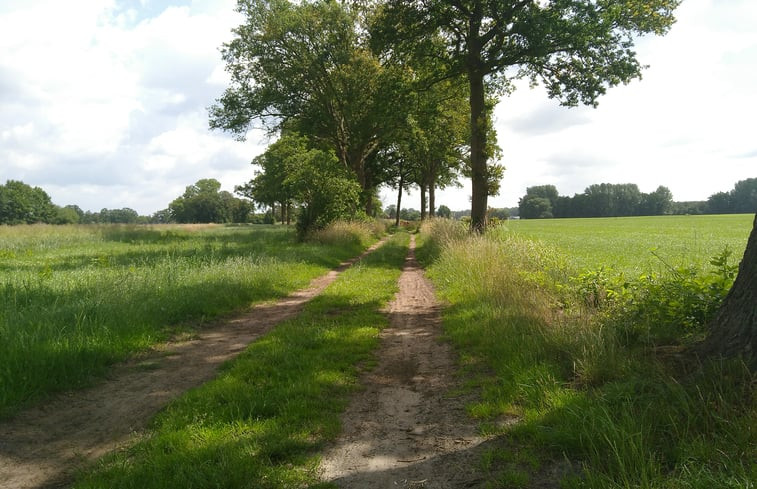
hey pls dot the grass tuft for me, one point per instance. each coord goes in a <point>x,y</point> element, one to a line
<point>76,299</point>
<point>626,415</point>
<point>262,421</point>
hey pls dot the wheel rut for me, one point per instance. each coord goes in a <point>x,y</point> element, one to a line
<point>44,446</point>
<point>406,428</point>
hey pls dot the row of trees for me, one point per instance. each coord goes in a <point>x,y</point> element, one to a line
<point>614,200</point>
<point>401,92</point>
<point>740,200</point>
<point>23,204</point>
<point>599,200</point>
<point>202,202</point>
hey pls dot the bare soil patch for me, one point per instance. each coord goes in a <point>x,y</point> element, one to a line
<point>44,446</point>
<point>408,428</point>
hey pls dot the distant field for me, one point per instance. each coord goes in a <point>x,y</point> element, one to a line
<point>74,299</point>
<point>627,244</point>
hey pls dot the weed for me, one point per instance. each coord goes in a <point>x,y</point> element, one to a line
<point>75,299</point>
<point>570,346</point>
<point>262,421</point>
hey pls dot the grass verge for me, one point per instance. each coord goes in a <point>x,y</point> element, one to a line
<point>76,299</point>
<point>261,422</point>
<point>575,394</point>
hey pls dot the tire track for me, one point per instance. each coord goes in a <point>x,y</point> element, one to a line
<point>44,446</point>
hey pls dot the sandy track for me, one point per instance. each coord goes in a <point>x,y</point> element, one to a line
<point>44,446</point>
<point>405,429</point>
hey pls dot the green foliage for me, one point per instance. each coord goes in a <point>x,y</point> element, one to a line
<point>599,200</point>
<point>741,199</point>
<point>444,211</point>
<point>576,49</point>
<point>659,308</point>
<point>23,204</point>
<point>302,66</point>
<point>261,422</point>
<point>567,380</point>
<point>204,202</point>
<point>326,191</point>
<point>75,299</point>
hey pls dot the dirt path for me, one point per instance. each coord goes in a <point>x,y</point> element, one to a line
<point>406,429</point>
<point>44,446</point>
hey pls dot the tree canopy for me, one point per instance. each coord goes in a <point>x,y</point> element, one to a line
<point>575,48</point>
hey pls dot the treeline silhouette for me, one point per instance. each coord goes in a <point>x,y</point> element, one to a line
<point>618,200</point>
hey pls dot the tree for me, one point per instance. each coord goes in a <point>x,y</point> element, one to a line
<point>533,207</point>
<point>657,203</point>
<point>733,332</point>
<point>270,186</point>
<point>23,204</point>
<point>576,48</point>
<point>324,190</point>
<point>720,203</point>
<point>202,202</point>
<point>302,66</point>
<point>744,196</point>
<point>444,212</point>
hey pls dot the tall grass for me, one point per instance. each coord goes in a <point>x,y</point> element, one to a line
<point>262,421</point>
<point>625,412</point>
<point>75,299</point>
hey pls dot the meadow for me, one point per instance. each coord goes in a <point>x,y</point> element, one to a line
<point>636,245</point>
<point>261,422</point>
<point>582,347</point>
<point>76,299</point>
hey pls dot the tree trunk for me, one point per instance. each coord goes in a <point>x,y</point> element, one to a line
<point>480,190</point>
<point>423,202</point>
<point>733,332</point>
<point>431,200</point>
<point>399,200</point>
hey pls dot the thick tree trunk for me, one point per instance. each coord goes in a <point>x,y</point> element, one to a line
<point>733,332</point>
<point>431,199</point>
<point>423,202</point>
<point>399,200</point>
<point>480,191</point>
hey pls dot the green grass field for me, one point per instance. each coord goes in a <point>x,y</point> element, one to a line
<point>75,299</point>
<point>607,392</point>
<point>629,244</point>
<point>262,421</point>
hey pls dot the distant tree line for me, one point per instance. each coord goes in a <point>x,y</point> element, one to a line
<point>599,200</point>
<point>23,204</point>
<point>617,200</point>
<point>202,202</point>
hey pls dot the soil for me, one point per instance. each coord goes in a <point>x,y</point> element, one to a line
<point>43,447</point>
<point>407,427</point>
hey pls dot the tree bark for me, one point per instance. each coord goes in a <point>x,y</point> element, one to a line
<point>423,202</point>
<point>431,200</point>
<point>399,200</point>
<point>479,183</point>
<point>733,332</point>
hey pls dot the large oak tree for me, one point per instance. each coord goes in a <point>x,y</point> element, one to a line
<point>733,332</point>
<point>303,66</point>
<point>575,48</point>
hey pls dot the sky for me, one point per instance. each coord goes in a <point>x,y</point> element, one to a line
<point>103,104</point>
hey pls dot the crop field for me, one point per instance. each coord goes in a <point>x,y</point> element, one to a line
<point>75,299</point>
<point>603,372</point>
<point>635,245</point>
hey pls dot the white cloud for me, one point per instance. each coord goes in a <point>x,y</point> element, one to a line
<point>103,104</point>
